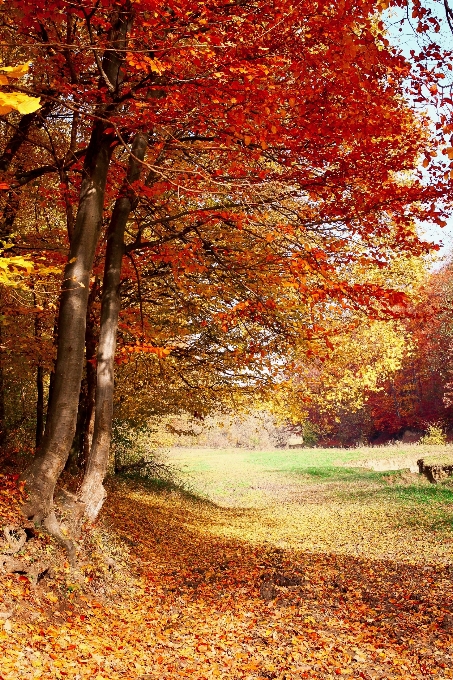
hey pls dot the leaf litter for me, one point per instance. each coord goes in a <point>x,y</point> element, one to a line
<point>159,592</point>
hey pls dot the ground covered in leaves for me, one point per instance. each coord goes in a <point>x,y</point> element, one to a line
<point>164,590</point>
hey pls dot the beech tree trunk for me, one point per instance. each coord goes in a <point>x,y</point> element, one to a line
<point>44,472</point>
<point>91,340</point>
<point>39,405</point>
<point>92,492</point>
<point>84,430</point>
<point>39,383</point>
<point>42,475</point>
<point>2,398</point>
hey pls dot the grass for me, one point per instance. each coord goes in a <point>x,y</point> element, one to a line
<point>361,501</point>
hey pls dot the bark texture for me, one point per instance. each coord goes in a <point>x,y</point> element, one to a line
<point>85,415</point>
<point>2,399</point>
<point>92,492</point>
<point>39,405</point>
<point>62,414</point>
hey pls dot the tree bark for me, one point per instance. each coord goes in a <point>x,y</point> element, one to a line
<point>42,475</point>
<point>2,398</point>
<point>91,340</point>
<point>92,492</point>
<point>39,382</point>
<point>39,405</point>
<point>82,440</point>
<point>62,414</point>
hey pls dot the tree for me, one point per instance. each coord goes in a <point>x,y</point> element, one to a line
<point>276,142</point>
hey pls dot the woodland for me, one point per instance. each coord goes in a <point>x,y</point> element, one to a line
<point>212,210</point>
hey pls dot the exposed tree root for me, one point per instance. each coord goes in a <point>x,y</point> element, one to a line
<point>52,525</point>
<point>66,526</point>
<point>16,539</point>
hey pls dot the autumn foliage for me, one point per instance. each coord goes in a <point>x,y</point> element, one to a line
<point>215,187</point>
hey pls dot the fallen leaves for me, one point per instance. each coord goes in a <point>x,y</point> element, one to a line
<point>187,603</point>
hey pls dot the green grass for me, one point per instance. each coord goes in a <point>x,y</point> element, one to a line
<point>329,500</point>
<point>339,474</point>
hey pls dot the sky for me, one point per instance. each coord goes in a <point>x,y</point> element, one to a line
<point>405,38</point>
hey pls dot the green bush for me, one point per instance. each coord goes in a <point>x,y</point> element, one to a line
<point>138,451</point>
<point>310,434</point>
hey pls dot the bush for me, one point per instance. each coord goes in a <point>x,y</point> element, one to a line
<point>310,434</point>
<point>434,435</point>
<point>137,450</point>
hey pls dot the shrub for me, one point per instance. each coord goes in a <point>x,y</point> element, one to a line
<point>138,450</point>
<point>434,435</point>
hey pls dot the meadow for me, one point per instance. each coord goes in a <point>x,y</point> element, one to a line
<point>361,501</point>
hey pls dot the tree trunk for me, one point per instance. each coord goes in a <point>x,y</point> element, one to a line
<point>39,382</point>
<point>82,440</point>
<point>91,340</point>
<point>42,475</point>
<point>72,464</point>
<point>44,472</point>
<point>39,405</point>
<point>2,398</point>
<point>92,492</point>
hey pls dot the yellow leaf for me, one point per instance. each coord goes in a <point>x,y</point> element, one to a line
<point>15,71</point>
<point>156,66</point>
<point>18,101</point>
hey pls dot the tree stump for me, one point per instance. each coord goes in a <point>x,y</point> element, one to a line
<point>435,472</point>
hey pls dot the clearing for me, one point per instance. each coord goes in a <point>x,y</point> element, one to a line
<point>280,564</point>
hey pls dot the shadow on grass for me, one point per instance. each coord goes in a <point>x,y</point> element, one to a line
<point>434,502</point>
<point>425,494</point>
<point>163,486</point>
<point>340,474</point>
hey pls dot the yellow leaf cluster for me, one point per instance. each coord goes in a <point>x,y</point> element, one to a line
<point>12,270</point>
<point>16,101</point>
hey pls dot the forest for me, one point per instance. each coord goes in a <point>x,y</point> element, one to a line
<point>216,223</point>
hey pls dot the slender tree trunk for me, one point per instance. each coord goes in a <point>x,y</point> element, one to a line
<point>92,492</point>
<point>72,464</point>
<point>39,383</point>
<point>43,474</point>
<point>91,340</point>
<point>80,448</point>
<point>2,397</point>
<point>39,405</point>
